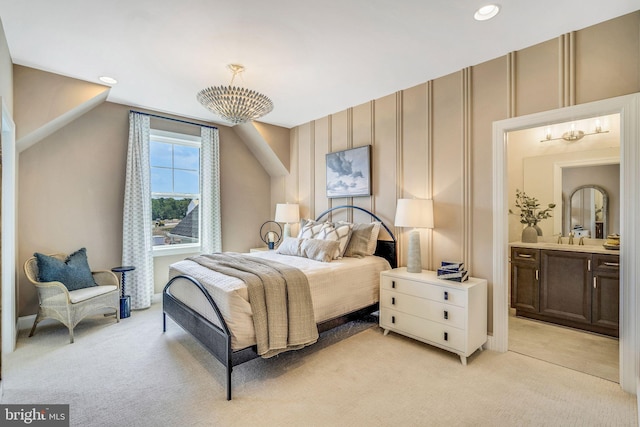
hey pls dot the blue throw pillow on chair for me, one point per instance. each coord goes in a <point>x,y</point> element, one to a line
<point>74,272</point>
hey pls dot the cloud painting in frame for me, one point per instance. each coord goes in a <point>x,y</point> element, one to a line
<point>349,172</point>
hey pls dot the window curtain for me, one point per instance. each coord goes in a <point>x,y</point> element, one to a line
<point>211,239</point>
<point>136,230</point>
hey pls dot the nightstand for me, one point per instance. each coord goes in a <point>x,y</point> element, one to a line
<point>262,249</point>
<point>446,314</point>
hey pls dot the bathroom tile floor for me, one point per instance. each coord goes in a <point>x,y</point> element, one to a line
<point>582,351</point>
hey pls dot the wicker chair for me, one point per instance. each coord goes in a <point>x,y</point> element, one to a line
<point>70,307</point>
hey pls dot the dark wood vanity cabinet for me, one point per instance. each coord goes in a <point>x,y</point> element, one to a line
<point>525,267</point>
<point>575,289</point>
<point>565,291</point>
<point>605,309</point>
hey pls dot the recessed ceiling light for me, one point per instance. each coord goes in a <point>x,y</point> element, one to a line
<point>486,12</point>
<point>108,80</point>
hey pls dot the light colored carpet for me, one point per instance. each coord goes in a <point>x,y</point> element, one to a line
<point>585,352</point>
<point>131,374</point>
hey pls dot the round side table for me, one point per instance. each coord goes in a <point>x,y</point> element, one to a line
<point>125,300</point>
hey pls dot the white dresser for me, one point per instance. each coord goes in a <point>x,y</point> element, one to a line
<point>443,313</point>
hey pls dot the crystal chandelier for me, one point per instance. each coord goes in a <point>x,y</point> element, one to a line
<point>235,104</point>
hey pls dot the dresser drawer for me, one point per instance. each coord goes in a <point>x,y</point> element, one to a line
<point>423,330</point>
<point>433,292</point>
<point>436,311</point>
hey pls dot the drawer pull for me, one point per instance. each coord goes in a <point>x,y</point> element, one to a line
<point>393,284</point>
<point>525,256</point>
<point>446,336</point>
<point>446,315</point>
<point>446,296</point>
<point>393,319</point>
<point>393,300</point>
<point>612,264</point>
<point>595,283</point>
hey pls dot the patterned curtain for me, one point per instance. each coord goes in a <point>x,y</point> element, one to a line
<point>211,239</point>
<point>136,230</point>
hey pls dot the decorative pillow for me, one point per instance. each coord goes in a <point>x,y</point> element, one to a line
<point>361,237</point>
<point>310,229</point>
<point>74,272</point>
<point>341,233</point>
<point>290,246</point>
<point>319,250</point>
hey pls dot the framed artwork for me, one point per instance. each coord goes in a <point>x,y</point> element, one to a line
<point>349,172</point>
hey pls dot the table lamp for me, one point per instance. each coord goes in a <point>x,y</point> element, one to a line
<point>288,213</point>
<point>414,213</point>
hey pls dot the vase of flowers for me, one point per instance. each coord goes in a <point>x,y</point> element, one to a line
<point>530,214</point>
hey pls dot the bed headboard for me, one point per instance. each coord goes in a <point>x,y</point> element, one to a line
<point>385,248</point>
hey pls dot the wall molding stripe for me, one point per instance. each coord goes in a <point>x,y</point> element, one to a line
<point>399,167</point>
<point>567,70</point>
<point>312,168</point>
<point>511,84</point>
<point>372,112</point>
<point>467,211</point>
<point>429,165</point>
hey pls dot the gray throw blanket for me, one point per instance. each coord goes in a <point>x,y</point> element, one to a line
<point>280,300</point>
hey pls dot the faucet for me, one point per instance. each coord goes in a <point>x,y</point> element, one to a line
<point>560,238</point>
<point>571,238</point>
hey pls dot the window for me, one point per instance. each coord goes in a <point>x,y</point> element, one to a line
<point>175,190</point>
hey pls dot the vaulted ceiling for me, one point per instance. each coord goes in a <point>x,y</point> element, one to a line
<point>311,58</point>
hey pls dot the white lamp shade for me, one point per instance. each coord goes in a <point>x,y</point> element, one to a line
<point>415,213</point>
<point>287,212</point>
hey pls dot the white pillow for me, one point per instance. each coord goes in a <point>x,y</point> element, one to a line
<point>340,233</point>
<point>319,250</point>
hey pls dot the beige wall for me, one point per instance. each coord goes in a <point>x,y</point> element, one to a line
<point>71,189</point>
<point>435,140</point>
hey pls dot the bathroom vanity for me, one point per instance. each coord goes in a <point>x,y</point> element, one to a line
<point>571,285</point>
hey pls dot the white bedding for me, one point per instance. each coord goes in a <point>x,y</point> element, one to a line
<point>337,287</point>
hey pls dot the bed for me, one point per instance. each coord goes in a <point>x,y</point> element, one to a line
<point>213,307</point>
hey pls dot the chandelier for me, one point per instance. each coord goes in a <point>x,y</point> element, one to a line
<point>235,104</point>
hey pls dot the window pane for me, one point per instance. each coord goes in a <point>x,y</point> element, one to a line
<point>160,154</point>
<point>175,221</point>
<point>186,181</point>
<point>185,157</point>
<point>162,180</point>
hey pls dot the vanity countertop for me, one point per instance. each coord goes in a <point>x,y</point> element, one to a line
<point>594,249</point>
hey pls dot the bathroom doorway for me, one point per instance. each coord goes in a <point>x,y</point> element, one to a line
<point>629,109</point>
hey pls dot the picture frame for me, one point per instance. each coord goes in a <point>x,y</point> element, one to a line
<point>349,172</point>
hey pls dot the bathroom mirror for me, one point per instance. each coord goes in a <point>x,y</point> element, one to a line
<point>588,212</point>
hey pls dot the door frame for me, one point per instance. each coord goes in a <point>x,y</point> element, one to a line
<point>8,330</point>
<point>628,107</point>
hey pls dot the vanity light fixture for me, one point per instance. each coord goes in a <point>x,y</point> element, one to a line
<point>108,80</point>
<point>486,12</point>
<point>573,134</point>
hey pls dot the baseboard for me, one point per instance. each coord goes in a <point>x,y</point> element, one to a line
<point>26,322</point>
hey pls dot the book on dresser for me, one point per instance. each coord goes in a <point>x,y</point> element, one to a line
<point>443,313</point>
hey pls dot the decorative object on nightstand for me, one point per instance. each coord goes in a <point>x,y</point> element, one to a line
<point>268,234</point>
<point>445,314</point>
<point>288,213</point>
<point>414,213</point>
<point>125,300</point>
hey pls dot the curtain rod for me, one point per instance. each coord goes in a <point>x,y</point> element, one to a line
<point>172,119</point>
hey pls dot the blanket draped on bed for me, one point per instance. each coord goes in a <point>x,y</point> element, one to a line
<point>280,300</point>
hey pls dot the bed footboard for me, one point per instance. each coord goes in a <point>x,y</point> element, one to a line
<point>214,338</point>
